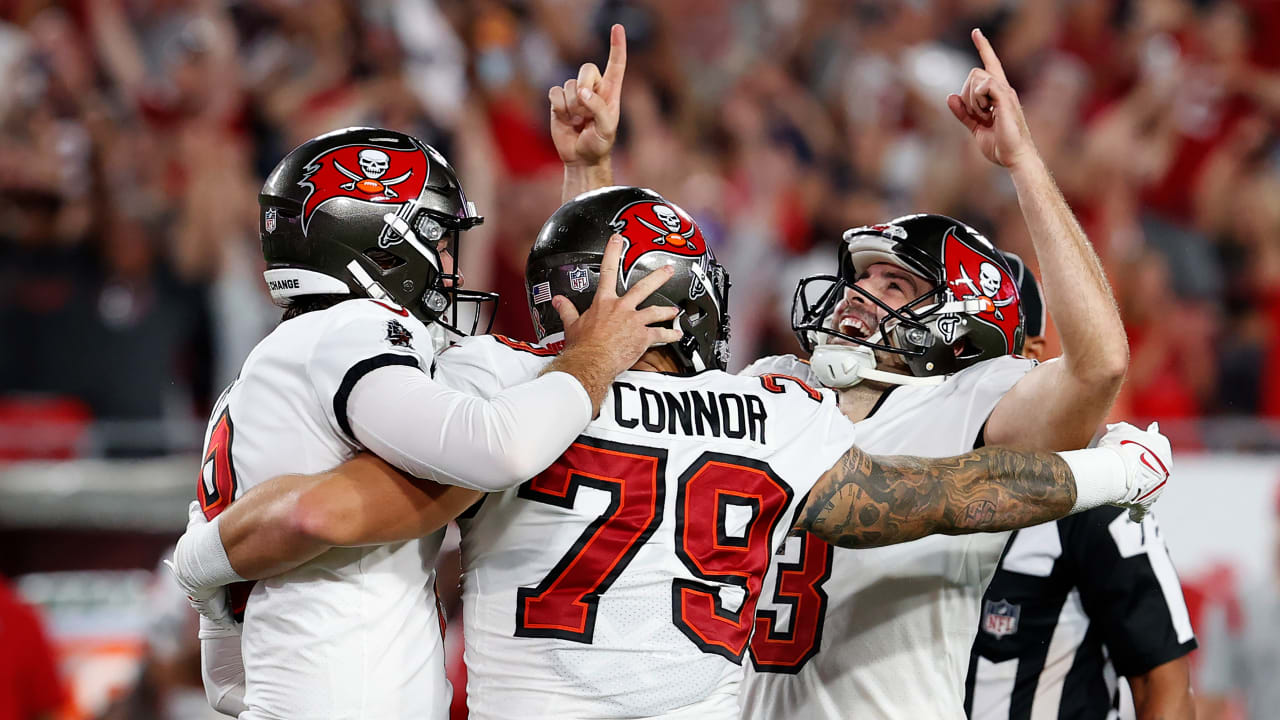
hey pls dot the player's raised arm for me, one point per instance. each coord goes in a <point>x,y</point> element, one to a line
<point>584,120</point>
<point>1071,396</point>
<point>868,500</point>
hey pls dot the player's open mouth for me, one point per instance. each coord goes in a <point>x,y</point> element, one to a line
<point>854,326</point>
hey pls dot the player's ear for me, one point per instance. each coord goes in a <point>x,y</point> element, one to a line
<point>1033,347</point>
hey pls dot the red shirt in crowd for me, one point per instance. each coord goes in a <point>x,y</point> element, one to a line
<point>29,684</point>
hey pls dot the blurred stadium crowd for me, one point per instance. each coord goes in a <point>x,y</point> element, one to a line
<point>136,134</point>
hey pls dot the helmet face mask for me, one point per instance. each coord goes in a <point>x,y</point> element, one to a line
<point>565,260</point>
<point>366,212</point>
<point>970,311</point>
<point>813,321</point>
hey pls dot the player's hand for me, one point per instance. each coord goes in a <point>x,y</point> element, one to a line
<point>211,602</point>
<point>990,109</point>
<point>585,110</point>
<point>1148,460</point>
<point>617,332</point>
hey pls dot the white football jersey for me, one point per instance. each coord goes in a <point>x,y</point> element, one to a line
<point>622,582</point>
<point>882,632</point>
<point>354,632</point>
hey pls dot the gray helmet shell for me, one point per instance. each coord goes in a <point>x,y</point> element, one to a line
<point>565,260</point>
<point>363,212</point>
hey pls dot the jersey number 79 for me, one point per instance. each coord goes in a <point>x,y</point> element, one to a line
<point>564,604</point>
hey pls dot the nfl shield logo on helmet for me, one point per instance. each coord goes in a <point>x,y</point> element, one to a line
<point>269,220</point>
<point>1000,618</point>
<point>579,279</point>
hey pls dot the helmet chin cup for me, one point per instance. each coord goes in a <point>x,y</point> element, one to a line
<point>841,366</point>
<point>844,366</point>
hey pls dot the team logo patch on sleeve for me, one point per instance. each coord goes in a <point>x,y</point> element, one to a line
<point>1000,618</point>
<point>398,335</point>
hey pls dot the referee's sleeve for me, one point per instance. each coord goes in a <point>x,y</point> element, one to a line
<point>1130,589</point>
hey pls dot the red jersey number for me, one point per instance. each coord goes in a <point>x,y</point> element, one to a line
<point>799,584</point>
<point>216,489</point>
<point>727,507</point>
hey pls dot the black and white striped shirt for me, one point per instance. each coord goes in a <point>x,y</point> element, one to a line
<point>1073,605</point>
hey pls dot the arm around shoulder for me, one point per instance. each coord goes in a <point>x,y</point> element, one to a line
<point>486,444</point>
<point>291,519</point>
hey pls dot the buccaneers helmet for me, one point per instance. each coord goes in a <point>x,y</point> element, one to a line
<point>366,212</point>
<point>970,312</point>
<point>565,260</point>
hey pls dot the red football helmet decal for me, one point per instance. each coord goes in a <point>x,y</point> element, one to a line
<point>656,227</point>
<point>363,172</point>
<point>971,275</point>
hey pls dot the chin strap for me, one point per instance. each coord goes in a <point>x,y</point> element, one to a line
<point>843,366</point>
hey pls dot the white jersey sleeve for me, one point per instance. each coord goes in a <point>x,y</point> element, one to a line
<point>362,336</point>
<point>484,365</point>
<point>383,399</point>
<point>972,394</point>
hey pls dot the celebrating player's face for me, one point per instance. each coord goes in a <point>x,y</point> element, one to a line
<point>855,315</point>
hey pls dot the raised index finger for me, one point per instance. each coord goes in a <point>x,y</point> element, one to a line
<point>988,55</point>
<point>609,267</point>
<point>617,65</point>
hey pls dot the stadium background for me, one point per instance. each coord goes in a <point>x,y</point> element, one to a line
<point>137,132</point>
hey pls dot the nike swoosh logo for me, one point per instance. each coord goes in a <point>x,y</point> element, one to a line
<point>1146,457</point>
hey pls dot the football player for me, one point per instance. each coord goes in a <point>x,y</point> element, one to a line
<point>359,231</point>
<point>919,332</point>
<point>622,581</point>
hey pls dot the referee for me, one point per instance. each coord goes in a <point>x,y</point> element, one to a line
<point>1076,603</point>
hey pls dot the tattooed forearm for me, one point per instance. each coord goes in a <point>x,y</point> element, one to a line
<point>869,500</point>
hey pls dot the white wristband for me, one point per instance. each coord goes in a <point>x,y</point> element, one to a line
<point>200,561</point>
<point>1101,477</point>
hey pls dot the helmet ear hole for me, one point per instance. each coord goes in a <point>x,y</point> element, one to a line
<point>693,313</point>
<point>965,349</point>
<point>383,259</point>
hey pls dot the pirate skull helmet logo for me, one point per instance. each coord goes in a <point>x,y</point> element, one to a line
<point>656,227</point>
<point>330,176</point>
<point>668,217</point>
<point>670,232</point>
<point>373,164</point>
<point>971,276</point>
<point>989,279</point>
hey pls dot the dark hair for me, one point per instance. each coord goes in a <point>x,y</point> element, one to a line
<point>310,303</point>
